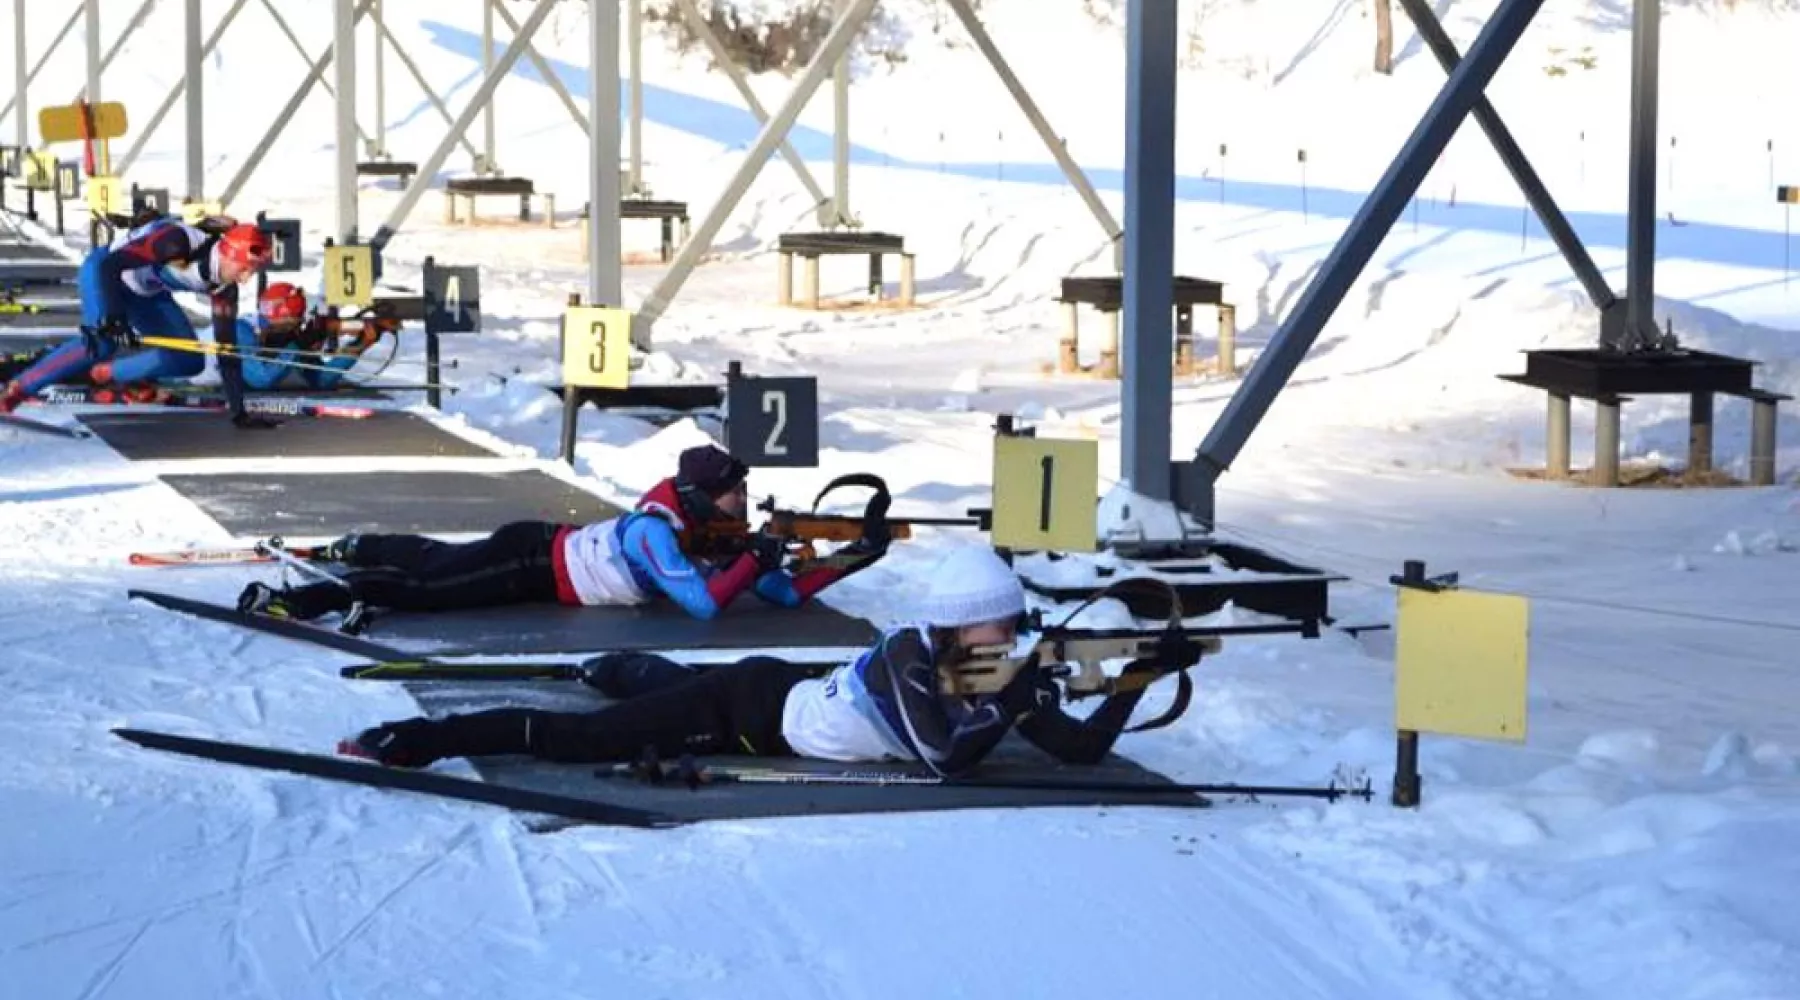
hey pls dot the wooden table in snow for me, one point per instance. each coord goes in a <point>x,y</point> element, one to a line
<point>811,246</point>
<point>1106,294</point>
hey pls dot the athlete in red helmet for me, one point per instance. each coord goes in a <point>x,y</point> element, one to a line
<point>285,341</point>
<point>127,291</point>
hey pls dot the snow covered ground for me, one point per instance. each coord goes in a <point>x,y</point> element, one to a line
<point>1641,843</point>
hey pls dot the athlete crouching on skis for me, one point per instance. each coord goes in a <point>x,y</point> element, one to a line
<point>626,560</point>
<point>884,705</point>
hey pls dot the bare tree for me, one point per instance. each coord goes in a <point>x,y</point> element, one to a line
<point>1384,37</point>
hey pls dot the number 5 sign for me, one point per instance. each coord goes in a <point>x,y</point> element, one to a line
<point>596,347</point>
<point>773,422</point>
<point>349,275</point>
<point>1046,494</point>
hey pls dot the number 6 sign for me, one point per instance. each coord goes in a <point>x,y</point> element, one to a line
<point>773,422</point>
<point>1046,494</point>
<point>596,347</point>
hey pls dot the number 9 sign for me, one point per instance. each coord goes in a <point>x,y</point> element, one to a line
<point>596,347</point>
<point>1046,494</point>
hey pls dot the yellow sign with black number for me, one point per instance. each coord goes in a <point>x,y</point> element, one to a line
<point>106,195</point>
<point>1460,664</point>
<point>1046,494</point>
<point>194,211</point>
<point>349,275</point>
<point>66,123</point>
<point>596,347</point>
<point>40,171</point>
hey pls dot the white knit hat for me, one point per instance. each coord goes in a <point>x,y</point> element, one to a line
<point>970,586</point>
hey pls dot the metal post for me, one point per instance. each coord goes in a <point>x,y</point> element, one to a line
<point>1052,141</point>
<point>430,95</point>
<point>484,92</point>
<point>545,70</point>
<point>1640,222</point>
<point>380,151</point>
<point>145,131</point>
<point>55,43</point>
<point>118,43</point>
<point>1288,348</point>
<point>836,43</point>
<point>196,108</point>
<point>724,60</point>
<point>840,137</point>
<point>1146,396</point>
<point>91,92</point>
<point>487,165</point>
<point>344,16</point>
<point>433,361</point>
<point>22,122</point>
<point>294,40</point>
<point>634,51</point>
<point>604,277</point>
<point>1517,163</point>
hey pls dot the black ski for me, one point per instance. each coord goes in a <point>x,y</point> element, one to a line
<point>38,427</point>
<point>431,670</point>
<point>284,627</point>
<point>374,775</point>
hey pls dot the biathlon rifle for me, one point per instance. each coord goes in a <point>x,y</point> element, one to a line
<point>803,530</point>
<point>1076,657</point>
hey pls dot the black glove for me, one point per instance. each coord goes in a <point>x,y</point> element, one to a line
<point>769,551</point>
<point>111,335</point>
<point>253,422</point>
<point>1029,690</point>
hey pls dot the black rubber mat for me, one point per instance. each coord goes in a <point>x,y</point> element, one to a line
<point>174,435</point>
<point>36,272</point>
<point>63,321</point>
<point>311,504</point>
<point>549,628</point>
<point>14,250</point>
<point>1014,760</point>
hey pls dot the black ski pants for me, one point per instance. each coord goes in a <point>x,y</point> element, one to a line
<point>732,709</point>
<point>513,565</point>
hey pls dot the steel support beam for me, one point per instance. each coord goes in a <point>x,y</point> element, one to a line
<point>1052,141</point>
<point>286,115</point>
<point>605,280</point>
<point>544,69</point>
<point>484,92</point>
<point>146,130</point>
<point>424,85</point>
<point>196,105</point>
<point>55,43</point>
<point>837,42</point>
<point>838,213</point>
<point>1639,330</point>
<point>344,16</point>
<point>1146,394</point>
<point>487,165</point>
<point>21,79</point>
<point>725,62</point>
<point>300,47</point>
<point>379,150</point>
<point>1538,196</point>
<point>634,55</point>
<point>91,14</point>
<point>1370,226</point>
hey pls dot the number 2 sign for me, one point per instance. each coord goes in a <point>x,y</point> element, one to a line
<point>773,422</point>
<point>1046,494</point>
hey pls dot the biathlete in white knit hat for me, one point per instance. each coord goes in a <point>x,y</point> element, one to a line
<point>884,705</point>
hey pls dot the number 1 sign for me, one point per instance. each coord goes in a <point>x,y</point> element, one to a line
<point>1046,494</point>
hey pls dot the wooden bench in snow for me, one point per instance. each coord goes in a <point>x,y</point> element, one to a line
<point>471,188</point>
<point>1607,376</point>
<point>812,246</point>
<point>1106,295</point>
<point>403,169</point>
<point>666,212</point>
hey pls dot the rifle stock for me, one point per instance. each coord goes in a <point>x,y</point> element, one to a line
<point>1076,658</point>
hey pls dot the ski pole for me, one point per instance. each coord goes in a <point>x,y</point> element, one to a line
<point>197,347</point>
<point>274,548</point>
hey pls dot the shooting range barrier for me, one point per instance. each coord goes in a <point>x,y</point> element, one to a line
<point>811,247</point>
<point>1106,295</point>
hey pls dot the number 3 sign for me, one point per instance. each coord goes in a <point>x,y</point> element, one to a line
<point>1046,494</point>
<point>596,347</point>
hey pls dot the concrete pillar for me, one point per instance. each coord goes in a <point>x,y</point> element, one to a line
<point>1762,442</point>
<point>1700,433</point>
<point>1068,348</point>
<point>1606,441</point>
<point>1556,442</point>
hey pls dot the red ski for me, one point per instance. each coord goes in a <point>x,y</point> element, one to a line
<point>217,557</point>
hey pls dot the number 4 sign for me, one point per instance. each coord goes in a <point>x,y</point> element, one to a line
<point>773,422</point>
<point>1046,494</point>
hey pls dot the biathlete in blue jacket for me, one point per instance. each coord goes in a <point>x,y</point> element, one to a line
<point>285,341</point>
<point>626,560</point>
<point>127,291</point>
<point>884,705</point>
